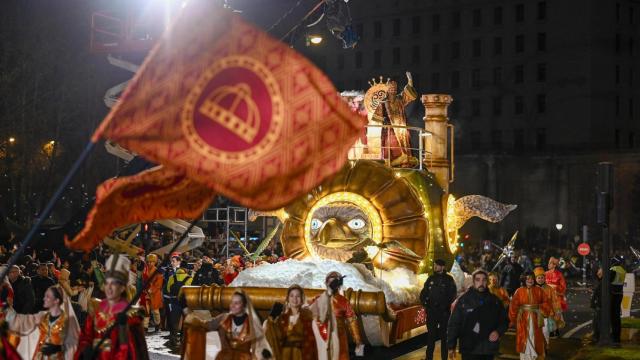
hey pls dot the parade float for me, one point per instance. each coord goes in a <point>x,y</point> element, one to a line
<point>381,221</point>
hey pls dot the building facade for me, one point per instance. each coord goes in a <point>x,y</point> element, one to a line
<point>542,89</point>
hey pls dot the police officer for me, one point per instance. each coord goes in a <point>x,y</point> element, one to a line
<point>174,310</point>
<point>436,296</point>
<point>617,274</point>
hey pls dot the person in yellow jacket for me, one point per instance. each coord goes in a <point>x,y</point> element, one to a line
<point>617,274</point>
<point>174,310</point>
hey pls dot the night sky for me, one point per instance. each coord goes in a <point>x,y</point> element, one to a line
<point>52,88</point>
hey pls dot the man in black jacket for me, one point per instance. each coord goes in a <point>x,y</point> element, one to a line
<point>207,275</point>
<point>41,282</point>
<point>436,296</point>
<point>478,320</point>
<point>23,296</point>
<point>511,272</point>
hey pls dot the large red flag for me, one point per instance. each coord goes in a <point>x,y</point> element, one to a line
<point>235,110</point>
<point>157,193</point>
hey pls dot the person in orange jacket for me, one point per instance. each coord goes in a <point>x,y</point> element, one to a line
<point>151,298</point>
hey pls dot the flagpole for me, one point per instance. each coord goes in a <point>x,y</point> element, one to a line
<point>145,285</point>
<point>47,210</point>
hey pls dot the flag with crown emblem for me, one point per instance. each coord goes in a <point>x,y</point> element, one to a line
<point>234,110</point>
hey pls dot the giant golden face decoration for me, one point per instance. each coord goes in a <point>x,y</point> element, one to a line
<point>368,204</point>
<point>340,224</point>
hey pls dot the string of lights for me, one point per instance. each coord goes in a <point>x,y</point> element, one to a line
<point>284,16</point>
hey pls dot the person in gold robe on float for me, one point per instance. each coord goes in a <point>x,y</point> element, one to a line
<point>396,141</point>
<point>290,333</point>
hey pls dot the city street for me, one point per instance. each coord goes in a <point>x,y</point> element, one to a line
<point>331,173</point>
<point>578,325</point>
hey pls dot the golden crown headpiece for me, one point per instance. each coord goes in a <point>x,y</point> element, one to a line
<point>373,81</point>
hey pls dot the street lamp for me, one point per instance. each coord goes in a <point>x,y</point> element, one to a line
<point>12,140</point>
<point>49,147</point>
<point>559,228</point>
<point>314,39</point>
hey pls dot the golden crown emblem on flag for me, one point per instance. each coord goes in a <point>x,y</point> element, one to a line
<point>236,96</point>
<point>234,113</point>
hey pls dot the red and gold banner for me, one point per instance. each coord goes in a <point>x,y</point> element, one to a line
<point>235,110</point>
<point>153,194</point>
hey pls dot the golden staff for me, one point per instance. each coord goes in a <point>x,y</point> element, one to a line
<point>237,238</point>
<point>264,243</point>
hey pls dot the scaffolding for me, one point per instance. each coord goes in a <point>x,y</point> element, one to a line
<point>233,217</point>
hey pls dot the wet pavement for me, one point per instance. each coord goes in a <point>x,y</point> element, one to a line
<point>578,325</point>
<point>577,318</point>
<point>157,349</point>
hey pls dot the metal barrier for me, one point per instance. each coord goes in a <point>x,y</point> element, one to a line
<point>231,216</point>
<point>378,146</point>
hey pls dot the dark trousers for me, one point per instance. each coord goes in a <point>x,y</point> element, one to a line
<point>477,357</point>
<point>437,329</point>
<point>616,301</point>
<point>173,318</point>
<point>596,324</point>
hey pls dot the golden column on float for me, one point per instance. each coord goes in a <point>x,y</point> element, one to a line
<point>439,145</point>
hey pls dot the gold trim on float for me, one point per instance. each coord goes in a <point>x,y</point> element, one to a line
<point>450,224</point>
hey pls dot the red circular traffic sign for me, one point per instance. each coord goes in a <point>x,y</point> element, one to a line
<point>584,249</point>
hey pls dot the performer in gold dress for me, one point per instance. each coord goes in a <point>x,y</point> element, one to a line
<point>56,329</point>
<point>290,333</point>
<point>333,315</point>
<point>240,331</point>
